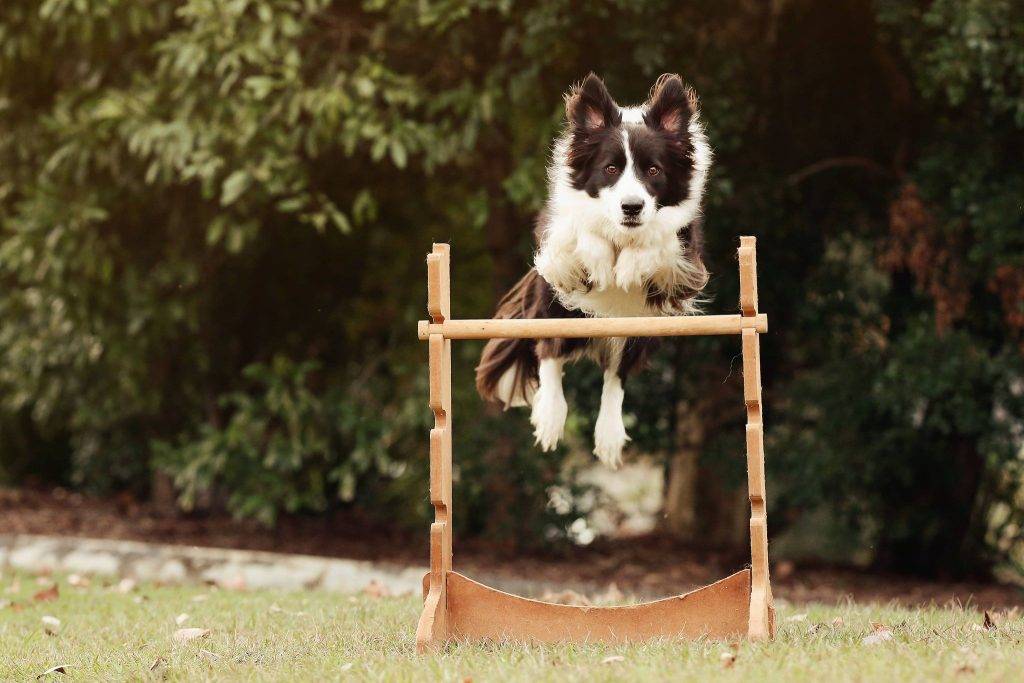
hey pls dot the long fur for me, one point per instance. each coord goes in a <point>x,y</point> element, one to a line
<point>620,235</point>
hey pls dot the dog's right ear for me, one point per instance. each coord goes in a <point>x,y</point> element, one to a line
<point>589,106</point>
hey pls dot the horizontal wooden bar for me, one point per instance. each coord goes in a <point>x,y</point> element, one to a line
<point>548,328</point>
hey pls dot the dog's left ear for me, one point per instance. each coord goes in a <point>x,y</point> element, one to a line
<point>671,105</point>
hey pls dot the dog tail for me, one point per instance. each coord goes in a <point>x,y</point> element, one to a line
<point>507,372</point>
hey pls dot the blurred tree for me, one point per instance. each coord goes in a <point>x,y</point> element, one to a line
<point>213,217</point>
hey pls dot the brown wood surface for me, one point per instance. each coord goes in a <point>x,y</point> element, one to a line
<point>433,628</point>
<point>748,276</point>
<point>547,328</point>
<point>478,612</point>
<point>762,608</point>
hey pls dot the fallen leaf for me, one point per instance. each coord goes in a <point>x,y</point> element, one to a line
<point>185,635</point>
<point>126,585</point>
<point>47,594</point>
<point>157,663</point>
<point>837,622</point>
<point>376,589</point>
<point>614,659</point>
<point>879,636</point>
<point>78,581</point>
<point>797,617</point>
<point>988,623</point>
<point>212,656</point>
<point>728,659</point>
<point>235,583</point>
<point>965,669</point>
<point>59,669</point>
<point>51,625</point>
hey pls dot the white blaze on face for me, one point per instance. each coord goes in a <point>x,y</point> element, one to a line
<point>627,200</point>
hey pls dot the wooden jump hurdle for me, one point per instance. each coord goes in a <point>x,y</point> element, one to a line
<point>456,607</point>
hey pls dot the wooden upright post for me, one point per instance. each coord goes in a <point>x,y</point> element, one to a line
<point>434,628</point>
<point>762,608</point>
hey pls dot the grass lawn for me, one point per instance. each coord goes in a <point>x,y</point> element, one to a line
<point>261,635</point>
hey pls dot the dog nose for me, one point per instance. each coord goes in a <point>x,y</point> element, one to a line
<point>632,206</point>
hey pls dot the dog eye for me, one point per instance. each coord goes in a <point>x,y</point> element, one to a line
<point>611,169</point>
<point>653,171</point>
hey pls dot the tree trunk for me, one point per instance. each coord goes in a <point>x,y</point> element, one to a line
<point>697,504</point>
<point>941,535</point>
<point>680,507</point>
<point>162,496</point>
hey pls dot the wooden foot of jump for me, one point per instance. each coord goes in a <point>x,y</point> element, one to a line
<point>456,607</point>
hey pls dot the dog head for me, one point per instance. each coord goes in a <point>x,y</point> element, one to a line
<point>643,164</point>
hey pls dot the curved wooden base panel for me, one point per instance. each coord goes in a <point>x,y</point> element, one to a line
<point>478,612</point>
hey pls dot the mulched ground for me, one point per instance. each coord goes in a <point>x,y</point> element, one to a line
<point>650,565</point>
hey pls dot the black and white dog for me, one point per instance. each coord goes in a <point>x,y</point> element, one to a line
<point>619,236</point>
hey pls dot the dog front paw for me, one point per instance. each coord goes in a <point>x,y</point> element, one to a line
<point>563,275</point>
<point>548,418</point>
<point>629,270</point>
<point>602,275</point>
<point>598,259</point>
<point>635,267</point>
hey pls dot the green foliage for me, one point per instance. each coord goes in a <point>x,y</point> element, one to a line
<point>213,217</point>
<point>911,405</point>
<point>273,452</point>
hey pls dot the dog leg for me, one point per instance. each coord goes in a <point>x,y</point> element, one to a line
<point>549,406</point>
<point>636,265</point>
<point>610,433</point>
<point>598,258</point>
<point>556,261</point>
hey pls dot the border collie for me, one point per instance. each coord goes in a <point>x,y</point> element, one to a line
<point>619,236</point>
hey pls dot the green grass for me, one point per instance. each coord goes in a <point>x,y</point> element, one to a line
<point>262,635</point>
